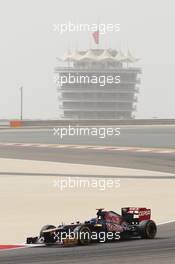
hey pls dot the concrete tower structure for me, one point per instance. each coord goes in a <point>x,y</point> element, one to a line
<point>85,86</point>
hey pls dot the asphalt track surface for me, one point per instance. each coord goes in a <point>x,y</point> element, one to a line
<point>157,251</point>
<point>146,161</point>
<point>137,136</point>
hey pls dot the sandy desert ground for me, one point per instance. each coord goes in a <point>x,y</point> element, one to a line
<point>28,200</point>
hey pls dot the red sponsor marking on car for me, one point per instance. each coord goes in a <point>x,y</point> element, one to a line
<point>146,212</point>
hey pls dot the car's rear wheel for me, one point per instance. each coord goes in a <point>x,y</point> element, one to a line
<point>147,229</point>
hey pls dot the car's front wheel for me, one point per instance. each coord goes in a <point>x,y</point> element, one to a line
<point>83,233</point>
<point>48,237</point>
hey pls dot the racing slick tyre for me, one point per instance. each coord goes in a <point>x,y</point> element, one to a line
<point>147,229</point>
<point>83,234</point>
<point>48,238</point>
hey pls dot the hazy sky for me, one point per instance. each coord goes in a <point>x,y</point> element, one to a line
<point>29,47</point>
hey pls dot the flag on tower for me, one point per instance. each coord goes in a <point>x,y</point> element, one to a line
<point>95,35</point>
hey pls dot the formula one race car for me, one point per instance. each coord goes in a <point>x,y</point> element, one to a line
<point>106,226</point>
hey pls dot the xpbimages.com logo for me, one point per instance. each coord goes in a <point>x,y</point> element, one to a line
<point>85,27</point>
<point>100,132</point>
<point>101,184</point>
<point>102,237</point>
<point>70,78</point>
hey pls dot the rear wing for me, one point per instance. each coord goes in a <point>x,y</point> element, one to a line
<point>136,214</point>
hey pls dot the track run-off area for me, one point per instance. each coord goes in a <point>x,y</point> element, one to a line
<point>142,159</point>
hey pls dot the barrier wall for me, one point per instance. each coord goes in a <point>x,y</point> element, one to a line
<point>98,122</point>
<point>54,123</point>
<point>16,123</point>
